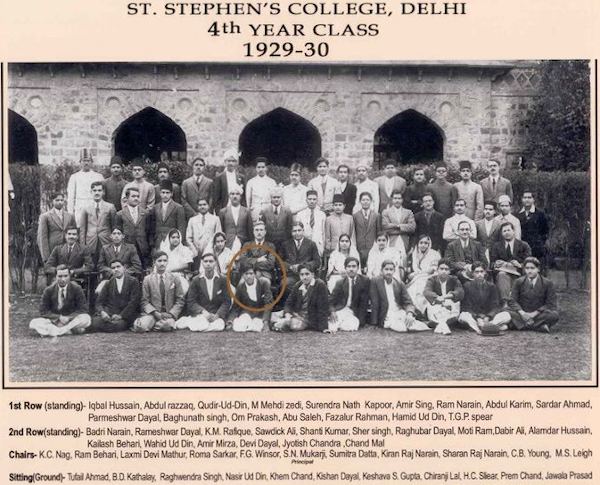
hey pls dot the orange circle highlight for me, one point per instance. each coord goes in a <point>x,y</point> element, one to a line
<point>283,280</point>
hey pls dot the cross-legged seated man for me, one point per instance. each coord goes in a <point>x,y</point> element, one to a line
<point>481,304</point>
<point>63,310</point>
<point>118,304</point>
<point>443,293</point>
<point>252,292</point>
<point>349,300</point>
<point>533,303</point>
<point>162,298</point>
<point>207,300</point>
<point>307,307</point>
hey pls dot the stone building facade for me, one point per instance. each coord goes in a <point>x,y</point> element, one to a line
<point>348,113</point>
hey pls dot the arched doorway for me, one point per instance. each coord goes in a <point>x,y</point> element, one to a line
<point>410,137</point>
<point>281,136</point>
<point>147,134</point>
<point>22,140</point>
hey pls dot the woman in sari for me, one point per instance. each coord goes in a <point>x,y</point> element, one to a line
<point>180,257</point>
<point>336,267</point>
<point>422,264</point>
<point>381,251</point>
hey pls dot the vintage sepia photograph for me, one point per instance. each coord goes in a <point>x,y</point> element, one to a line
<point>390,222</point>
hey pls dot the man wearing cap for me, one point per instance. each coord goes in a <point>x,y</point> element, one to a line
<point>259,258</point>
<point>389,183</point>
<point>364,184</point>
<point>52,226</point>
<point>258,189</point>
<point>345,188</point>
<point>444,193</point>
<point>324,185</point>
<point>168,214</point>
<point>236,220</point>
<point>336,224</point>
<point>97,222</point>
<point>195,188</point>
<point>164,173</point>
<point>114,185</point>
<point>252,292</point>
<point>294,194</point>
<point>313,220</point>
<point>470,192</point>
<point>144,188</point>
<point>494,185</point>
<point>505,215</point>
<point>277,218</point>
<point>79,189</point>
<point>228,179</point>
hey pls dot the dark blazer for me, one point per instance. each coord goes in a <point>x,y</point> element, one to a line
<point>113,189</point>
<point>198,299</point>
<point>488,240</point>
<point>251,255</point>
<point>128,256</point>
<point>534,229</point>
<point>349,194</point>
<point>176,193</point>
<point>379,301</point>
<point>485,302</point>
<point>126,303</point>
<point>264,295</point>
<point>307,254</point>
<point>221,190</point>
<point>434,229</point>
<point>94,229</point>
<point>279,227</point>
<point>360,297</point>
<point>79,261</point>
<point>366,231</point>
<point>318,304</point>
<point>175,219</point>
<point>413,195</point>
<point>521,250</point>
<point>458,258</point>
<point>433,288</point>
<point>524,297</point>
<point>51,231</point>
<point>75,302</point>
<point>191,194</point>
<point>139,234</point>
<point>243,229</point>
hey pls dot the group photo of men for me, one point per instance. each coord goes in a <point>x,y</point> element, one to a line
<point>420,255</point>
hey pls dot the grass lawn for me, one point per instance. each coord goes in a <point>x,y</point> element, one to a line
<point>370,354</point>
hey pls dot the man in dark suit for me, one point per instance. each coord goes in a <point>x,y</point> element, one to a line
<point>251,293</point>
<point>443,293</point>
<point>124,252</point>
<point>413,196</point>
<point>349,300</point>
<point>307,307</point>
<point>168,214</point>
<point>97,221</point>
<point>118,304</point>
<point>236,221</point>
<point>227,180</point>
<point>488,228</point>
<point>463,252</point>
<point>507,258</point>
<point>52,226</point>
<point>367,225</point>
<point>299,251</point>
<point>535,227</point>
<point>195,188</point>
<point>114,185</point>
<point>278,219</point>
<point>64,309</point>
<point>136,225</point>
<point>481,304</point>
<point>260,259</point>
<point>207,300</point>
<point>71,254</point>
<point>430,222</point>
<point>164,173</point>
<point>345,188</point>
<point>533,303</point>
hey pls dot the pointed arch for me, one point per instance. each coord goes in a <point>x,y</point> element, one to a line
<point>22,140</point>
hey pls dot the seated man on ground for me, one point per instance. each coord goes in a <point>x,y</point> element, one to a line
<point>443,293</point>
<point>118,304</point>
<point>481,304</point>
<point>533,303</point>
<point>63,310</point>
<point>162,298</point>
<point>391,306</point>
<point>253,293</point>
<point>307,307</point>
<point>349,300</point>
<point>207,300</point>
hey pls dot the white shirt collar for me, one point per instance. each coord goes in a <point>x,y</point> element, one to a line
<point>530,210</point>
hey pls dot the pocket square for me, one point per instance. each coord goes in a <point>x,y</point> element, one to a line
<point>172,286</point>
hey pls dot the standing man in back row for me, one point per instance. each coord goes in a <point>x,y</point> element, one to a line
<point>79,189</point>
<point>227,180</point>
<point>324,185</point>
<point>389,183</point>
<point>258,189</point>
<point>196,188</point>
<point>470,192</point>
<point>444,193</point>
<point>494,186</point>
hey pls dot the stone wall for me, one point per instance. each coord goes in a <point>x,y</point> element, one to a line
<point>479,109</point>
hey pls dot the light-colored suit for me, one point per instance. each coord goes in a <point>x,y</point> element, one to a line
<point>51,231</point>
<point>324,200</point>
<point>385,198</point>
<point>398,223</point>
<point>199,235</point>
<point>95,230</point>
<point>503,187</point>
<point>152,302</point>
<point>317,233</point>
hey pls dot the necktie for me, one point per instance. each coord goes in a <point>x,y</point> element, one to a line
<point>494,185</point>
<point>69,252</point>
<point>324,187</point>
<point>366,215</point>
<point>531,283</point>
<point>97,211</point>
<point>312,218</point>
<point>117,249</point>
<point>508,251</point>
<point>276,211</point>
<point>163,294</point>
<point>203,218</point>
<point>61,299</point>
<point>198,182</point>
<point>527,214</point>
<point>164,211</point>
